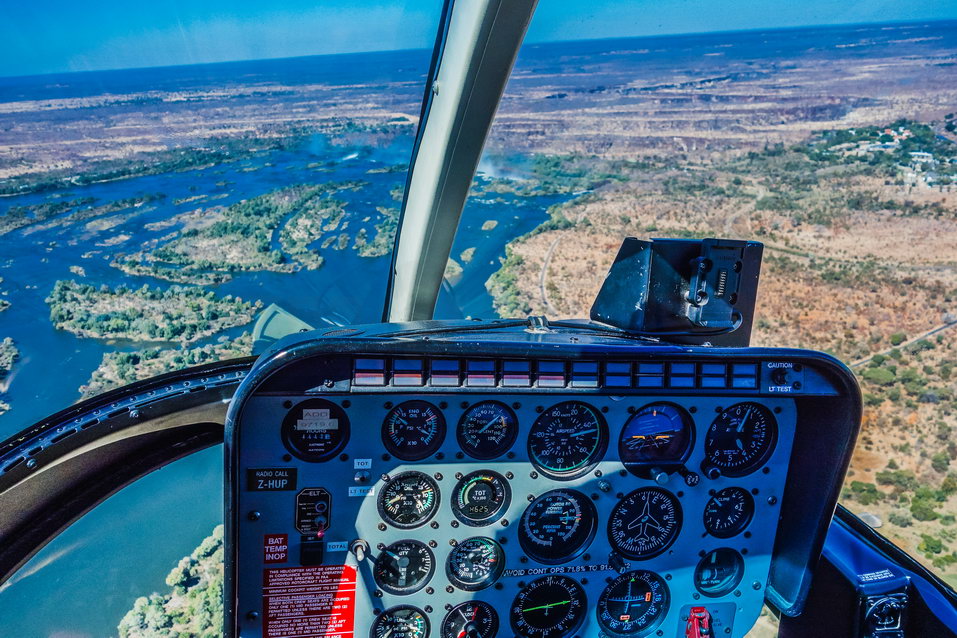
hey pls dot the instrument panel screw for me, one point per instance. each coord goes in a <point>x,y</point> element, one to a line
<point>737,593</point>
<point>381,527</point>
<point>517,405</point>
<point>440,456</point>
<point>434,524</point>
<point>586,557</point>
<point>458,476</point>
<point>287,404</point>
<point>377,594</point>
<point>449,589</point>
<point>692,409</point>
<point>428,608</point>
<point>510,455</point>
<point>772,500</point>
<point>530,498</point>
<point>253,616</point>
<point>343,457</point>
<point>453,542</point>
<point>328,383</point>
<point>459,455</point>
<point>499,586</point>
<point>747,534</point>
<point>253,516</point>
<point>584,581</point>
<point>523,559</point>
<point>696,595</point>
<point>387,405</point>
<point>448,606</point>
<point>385,477</point>
<point>464,404</point>
<point>287,457</point>
<point>533,475</point>
<point>667,576</point>
<point>380,546</point>
<point>504,523</point>
<point>502,540</point>
<point>454,523</point>
<point>134,414</point>
<point>755,585</point>
<point>31,463</point>
<point>509,475</point>
<point>539,408</point>
<point>598,473</point>
<point>433,544</point>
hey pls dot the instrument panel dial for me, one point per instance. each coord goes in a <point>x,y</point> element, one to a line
<point>644,523</point>
<point>474,619</point>
<point>479,498</point>
<point>719,572</point>
<point>487,430</point>
<point>660,433</point>
<point>557,526</point>
<point>404,567</point>
<point>550,607</point>
<point>315,430</point>
<point>404,621</point>
<point>413,430</point>
<point>567,440</point>
<point>728,512</point>
<point>475,563</point>
<point>633,604</point>
<point>740,439</point>
<point>408,500</point>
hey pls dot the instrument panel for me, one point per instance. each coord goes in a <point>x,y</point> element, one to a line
<point>483,512</point>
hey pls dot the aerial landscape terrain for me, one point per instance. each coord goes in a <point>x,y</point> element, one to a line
<point>143,228</point>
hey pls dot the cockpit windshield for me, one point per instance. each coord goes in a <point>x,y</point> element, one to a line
<point>169,172</point>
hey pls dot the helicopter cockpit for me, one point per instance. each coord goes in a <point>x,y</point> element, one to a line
<point>487,319</point>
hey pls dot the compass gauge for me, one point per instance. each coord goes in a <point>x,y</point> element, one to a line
<point>550,607</point>
<point>633,604</point>
<point>644,523</point>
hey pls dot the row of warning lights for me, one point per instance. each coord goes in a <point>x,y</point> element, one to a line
<point>487,373</point>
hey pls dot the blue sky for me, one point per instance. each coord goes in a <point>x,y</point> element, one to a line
<point>47,36</point>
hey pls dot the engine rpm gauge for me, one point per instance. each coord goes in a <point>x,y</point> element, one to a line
<point>550,607</point>
<point>474,619</point>
<point>567,440</point>
<point>487,430</point>
<point>413,430</point>
<point>557,526</point>
<point>479,498</point>
<point>740,439</point>
<point>475,563</point>
<point>633,604</point>
<point>408,500</point>
<point>644,523</point>
<point>404,621</point>
<point>657,433</point>
<point>404,567</point>
<point>315,430</point>
<point>728,512</point>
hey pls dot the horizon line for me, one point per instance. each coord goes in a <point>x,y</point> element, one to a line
<point>524,43</point>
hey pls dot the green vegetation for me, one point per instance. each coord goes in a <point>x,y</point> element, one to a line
<point>76,210</point>
<point>241,237</point>
<point>194,605</point>
<point>384,240</point>
<point>8,355</point>
<point>145,314</point>
<point>122,368</point>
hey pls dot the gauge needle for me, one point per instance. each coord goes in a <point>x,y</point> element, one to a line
<point>584,432</point>
<point>743,420</point>
<point>489,424</point>
<point>395,499</point>
<point>388,633</point>
<point>548,606</point>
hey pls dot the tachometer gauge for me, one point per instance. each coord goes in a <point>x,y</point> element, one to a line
<point>567,440</point>
<point>487,430</point>
<point>413,430</point>
<point>557,526</point>
<point>408,500</point>
<point>474,619</point>
<point>740,439</point>
<point>728,512</point>
<point>657,433</point>
<point>550,607</point>
<point>633,604</point>
<point>719,572</point>
<point>475,563</point>
<point>479,498</point>
<point>404,621</point>
<point>315,430</point>
<point>404,567</point>
<point>644,523</point>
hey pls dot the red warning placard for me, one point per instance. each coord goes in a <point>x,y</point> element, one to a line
<point>300,602</point>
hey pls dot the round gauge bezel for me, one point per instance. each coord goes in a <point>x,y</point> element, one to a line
<point>459,488</point>
<point>589,517</point>
<point>594,457</point>
<point>754,463</point>
<point>289,421</point>
<point>502,448</point>
<point>670,537</point>
<point>741,525</point>
<point>688,432</point>
<point>418,455</point>
<point>494,574</point>
<point>728,586</point>
<point>572,588</point>
<point>387,517</point>
<point>493,616</point>
<point>664,606</point>
<point>404,591</point>
<point>392,610</point>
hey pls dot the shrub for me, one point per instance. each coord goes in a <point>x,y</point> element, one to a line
<point>865,493</point>
<point>940,462</point>
<point>897,338</point>
<point>878,376</point>
<point>923,510</point>
<point>900,519</point>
